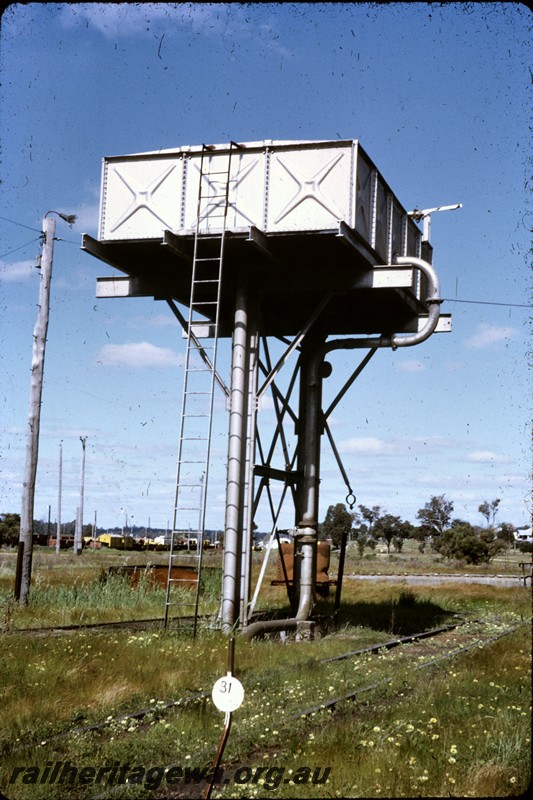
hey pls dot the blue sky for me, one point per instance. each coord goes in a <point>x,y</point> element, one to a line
<point>438,96</point>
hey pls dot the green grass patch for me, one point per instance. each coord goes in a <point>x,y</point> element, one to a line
<point>459,728</point>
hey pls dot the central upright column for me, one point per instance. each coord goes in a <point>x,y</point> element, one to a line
<point>309,433</point>
<point>235,481</point>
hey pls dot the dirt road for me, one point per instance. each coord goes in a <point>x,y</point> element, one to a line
<point>432,580</point>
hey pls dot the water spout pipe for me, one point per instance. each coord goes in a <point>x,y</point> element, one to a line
<point>308,525</point>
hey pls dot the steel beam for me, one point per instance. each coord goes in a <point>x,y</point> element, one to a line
<point>123,287</point>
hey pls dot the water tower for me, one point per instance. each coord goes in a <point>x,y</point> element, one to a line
<point>301,242</point>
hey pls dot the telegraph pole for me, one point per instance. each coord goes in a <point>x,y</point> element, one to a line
<point>25,549</point>
<point>58,534</point>
<point>78,538</point>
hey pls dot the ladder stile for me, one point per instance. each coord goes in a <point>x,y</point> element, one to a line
<point>197,399</point>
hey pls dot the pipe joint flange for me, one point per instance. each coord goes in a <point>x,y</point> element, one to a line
<point>305,534</point>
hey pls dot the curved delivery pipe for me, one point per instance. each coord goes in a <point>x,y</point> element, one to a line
<point>306,532</point>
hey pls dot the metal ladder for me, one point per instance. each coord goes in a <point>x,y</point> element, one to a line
<point>198,386</point>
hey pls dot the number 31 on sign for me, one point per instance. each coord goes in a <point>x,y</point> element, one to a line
<point>228,693</point>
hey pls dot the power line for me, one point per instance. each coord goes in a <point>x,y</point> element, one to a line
<point>487,303</point>
<point>20,224</point>
<point>67,241</point>
<point>22,246</point>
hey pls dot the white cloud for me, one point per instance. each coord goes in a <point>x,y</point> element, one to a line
<point>266,403</point>
<point>487,335</point>
<point>18,271</point>
<point>411,365</point>
<point>371,445</point>
<point>132,19</point>
<point>163,321</point>
<point>368,445</point>
<point>137,355</point>
<point>227,22</point>
<point>87,217</point>
<point>486,457</point>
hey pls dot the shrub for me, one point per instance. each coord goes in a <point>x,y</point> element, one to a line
<point>9,529</point>
<point>465,543</point>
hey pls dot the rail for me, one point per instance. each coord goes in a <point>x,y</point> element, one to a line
<point>183,702</point>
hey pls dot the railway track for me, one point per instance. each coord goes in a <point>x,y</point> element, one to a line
<point>434,645</point>
<point>434,659</point>
<point>359,694</point>
<point>132,624</point>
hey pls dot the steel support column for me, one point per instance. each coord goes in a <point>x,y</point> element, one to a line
<point>236,467</point>
<point>309,432</point>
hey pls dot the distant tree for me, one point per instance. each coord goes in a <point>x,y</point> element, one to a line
<point>338,522</point>
<point>9,529</point>
<point>397,543</point>
<point>489,511</point>
<point>390,528</point>
<point>435,515</point>
<point>364,539</point>
<point>370,516</point>
<point>40,526</point>
<point>365,521</point>
<point>506,532</point>
<point>464,542</point>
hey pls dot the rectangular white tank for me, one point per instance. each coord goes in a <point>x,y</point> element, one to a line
<point>276,186</point>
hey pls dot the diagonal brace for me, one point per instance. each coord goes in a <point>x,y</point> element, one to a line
<point>184,324</point>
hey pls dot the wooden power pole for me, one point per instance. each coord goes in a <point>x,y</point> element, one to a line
<point>25,551</point>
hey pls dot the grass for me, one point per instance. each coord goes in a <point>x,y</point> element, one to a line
<point>461,728</point>
<point>72,590</point>
<point>464,733</point>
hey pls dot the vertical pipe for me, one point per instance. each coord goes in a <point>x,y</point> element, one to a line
<point>248,505</point>
<point>309,449</point>
<point>236,462</point>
